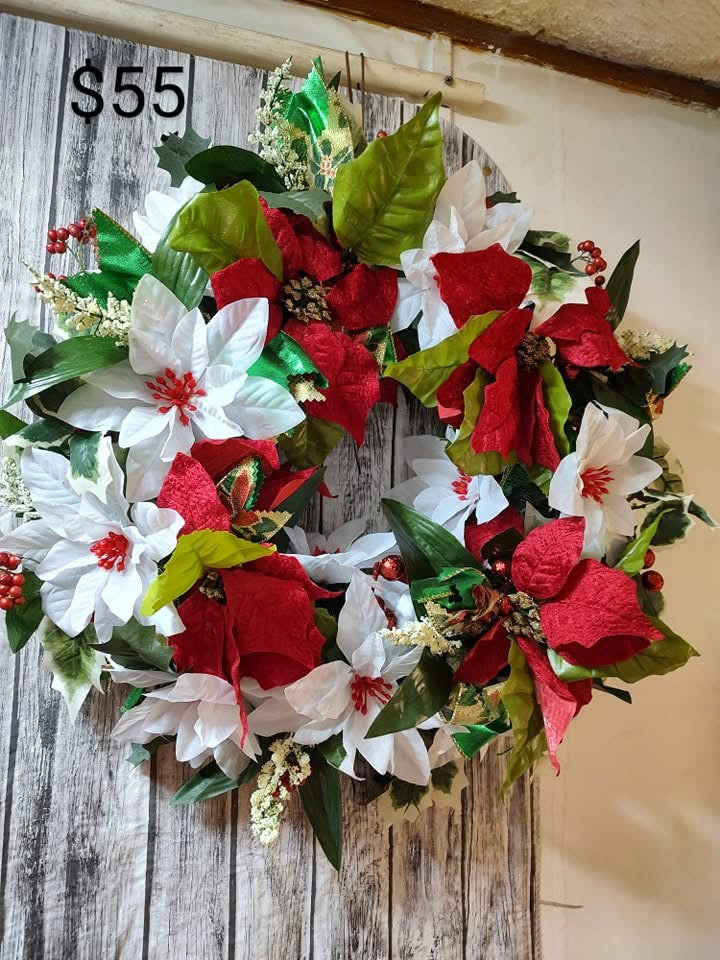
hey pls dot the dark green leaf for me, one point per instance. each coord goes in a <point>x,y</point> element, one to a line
<point>701,513</point>
<point>619,284</point>
<point>22,622</point>
<point>210,782</point>
<point>333,750</point>
<point>226,165</point>
<point>84,461</point>
<point>420,695</point>
<point>623,695</point>
<point>632,560</point>
<point>309,444</point>
<point>442,777</point>
<point>670,520</point>
<point>322,802</point>
<point>137,647</point>
<point>611,398</point>
<point>175,151</point>
<point>24,339</point>
<point>662,367</point>
<point>179,272</point>
<point>500,197</point>
<point>10,424</point>
<point>43,434</point>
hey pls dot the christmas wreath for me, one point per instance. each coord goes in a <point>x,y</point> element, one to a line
<point>191,389</point>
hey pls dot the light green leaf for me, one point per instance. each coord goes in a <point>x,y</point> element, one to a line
<point>195,553</point>
<point>25,340</point>
<point>551,239</point>
<point>73,661</point>
<point>22,622</point>
<point>424,372</point>
<point>309,443</point>
<point>85,457</point>
<point>384,199</point>
<point>137,647</point>
<point>322,801</point>
<point>518,697</point>
<point>632,559</point>
<point>308,203</point>
<point>174,152</point>
<point>619,284</point>
<point>179,272</point>
<point>418,697</point>
<point>460,451</point>
<point>558,402</point>
<point>10,425</point>
<point>220,228</point>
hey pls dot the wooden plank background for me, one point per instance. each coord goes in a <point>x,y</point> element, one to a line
<point>94,862</point>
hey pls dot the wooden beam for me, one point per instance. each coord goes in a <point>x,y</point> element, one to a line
<point>472,32</point>
<point>219,41</point>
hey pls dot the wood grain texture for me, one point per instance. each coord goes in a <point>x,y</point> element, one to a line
<point>95,863</point>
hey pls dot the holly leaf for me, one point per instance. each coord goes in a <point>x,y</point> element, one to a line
<point>518,697</point>
<point>137,647</point>
<point>384,199</point>
<point>671,521</point>
<point>179,272</point>
<point>73,661</point>
<point>22,622</point>
<point>619,284</point>
<point>632,559</point>
<point>227,165</point>
<point>195,553</point>
<point>210,782</point>
<point>220,228</point>
<point>322,801</point>
<point>174,152</point>
<point>420,695</point>
<point>309,443</point>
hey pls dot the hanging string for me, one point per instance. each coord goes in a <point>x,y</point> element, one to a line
<point>349,78</point>
<point>362,87</point>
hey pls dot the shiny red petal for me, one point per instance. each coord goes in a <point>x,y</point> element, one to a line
<point>499,340</point>
<point>364,298</point>
<point>189,489</point>
<point>499,422</point>
<point>450,400</point>
<point>582,334</point>
<point>545,559</point>
<point>478,534</point>
<point>351,372</point>
<point>246,279</point>
<point>281,485</point>
<point>596,619</point>
<point>220,456</point>
<point>474,283</point>
<point>486,658</point>
<point>559,701</point>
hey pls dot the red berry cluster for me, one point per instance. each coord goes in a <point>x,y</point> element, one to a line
<point>82,230</point>
<point>651,579</point>
<point>595,262</point>
<point>11,584</point>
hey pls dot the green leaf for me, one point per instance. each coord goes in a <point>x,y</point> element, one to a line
<point>210,782</point>
<point>696,510</point>
<point>478,734</point>
<point>322,801</point>
<point>73,661</point>
<point>547,239</point>
<point>671,520</point>
<point>220,228</point>
<point>611,398</point>
<point>140,752</point>
<point>558,402</point>
<point>283,360</point>
<point>500,197</point>
<point>309,444</point>
<point>619,284</point>
<point>85,457</point>
<point>195,553</point>
<point>179,272</point>
<point>662,367</point>
<point>385,198</point>
<point>137,647</point>
<point>632,559</point>
<point>616,692</point>
<point>175,151</point>
<point>518,697</point>
<point>661,657</point>
<point>426,547</point>
<point>424,372</point>
<point>42,434</point>
<point>549,283</point>
<point>460,450</point>
<point>226,165</point>
<point>65,361</point>
<point>22,622</point>
<point>420,695</point>
<point>25,340</point>
<point>10,424</point>
<point>308,203</point>
<point>333,750</point>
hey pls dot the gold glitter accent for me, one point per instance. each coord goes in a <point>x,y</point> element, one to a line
<point>303,389</point>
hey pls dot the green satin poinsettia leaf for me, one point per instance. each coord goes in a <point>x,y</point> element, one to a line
<point>558,403</point>
<point>421,694</point>
<point>460,451</point>
<point>10,424</point>
<point>632,558</point>
<point>661,657</point>
<point>195,553</point>
<point>425,371</point>
<point>219,228</point>
<point>518,697</point>
<point>478,734</point>
<point>384,199</point>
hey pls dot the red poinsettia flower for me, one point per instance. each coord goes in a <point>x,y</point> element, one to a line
<point>582,335</point>
<point>588,613</point>
<point>480,281</point>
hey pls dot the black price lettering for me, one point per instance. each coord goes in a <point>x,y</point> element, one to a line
<point>88,80</point>
<point>88,112</point>
<point>121,86</point>
<point>160,86</point>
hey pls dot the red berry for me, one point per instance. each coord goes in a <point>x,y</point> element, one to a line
<point>380,134</point>
<point>63,276</point>
<point>5,579</point>
<point>63,233</point>
<point>36,288</point>
<point>50,247</point>
<point>51,275</point>
<point>75,231</point>
<point>599,280</point>
<point>52,235</point>
<point>590,269</point>
<point>60,247</point>
<point>506,606</point>
<point>6,603</point>
<point>4,557</point>
<point>15,592</point>
<point>4,588</point>
<point>588,245</point>
<point>18,579</point>
<point>595,252</point>
<point>80,223</point>
<point>652,581</point>
<point>12,562</point>
<point>501,567</point>
<point>19,601</point>
<point>649,558</point>
<point>600,263</point>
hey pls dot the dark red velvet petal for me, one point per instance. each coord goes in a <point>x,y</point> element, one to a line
<point>286,567</point>
<point>559,701</point>
<point>477,535</point>
<point>474,283</point>
<point>450,400</point>
<point>189,489</point>
<point>363,298</point>
<point>201,647</point>
<point>545,559</point>
<point>351,372</point>
<point>486,658</point>
<point>220,456</point>
<point>582,334</point>
<point>544,450</point>
<point>500,339</point>
<point>281,485</point>
<point>245,279</point>
<point>499,422</point>
<point>595,619</point>
<point>282,229</point>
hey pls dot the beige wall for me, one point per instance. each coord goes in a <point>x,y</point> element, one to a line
<point>631,829</point>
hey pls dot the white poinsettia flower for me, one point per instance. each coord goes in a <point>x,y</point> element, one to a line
<point>344,698</point>
<point>461,223</point>
<point>595,480</point>
<point>199,709</point>
<point>183,381</point>
<point>442,491</point>
<point>334,559</point>
<point>95,561</point>
<point>160,208</point>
